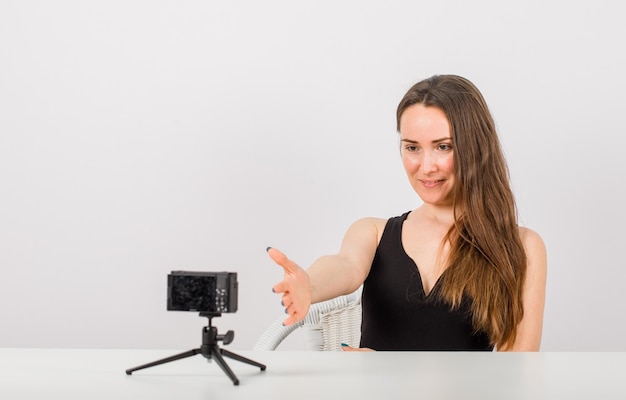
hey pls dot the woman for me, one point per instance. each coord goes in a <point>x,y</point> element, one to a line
<point>456,273</point>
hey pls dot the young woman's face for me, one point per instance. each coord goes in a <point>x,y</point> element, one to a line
<point>427,153</point>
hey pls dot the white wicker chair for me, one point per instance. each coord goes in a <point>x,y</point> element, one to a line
<point>325,327</point>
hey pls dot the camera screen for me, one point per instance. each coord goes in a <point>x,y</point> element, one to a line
<point>192,293</point>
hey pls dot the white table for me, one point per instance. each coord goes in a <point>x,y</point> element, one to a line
<point>299,375</point>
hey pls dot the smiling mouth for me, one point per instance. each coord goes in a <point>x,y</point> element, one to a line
<point>431,184</point>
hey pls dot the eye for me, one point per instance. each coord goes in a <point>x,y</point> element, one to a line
<point>444,147</point>
<point>410,148</point>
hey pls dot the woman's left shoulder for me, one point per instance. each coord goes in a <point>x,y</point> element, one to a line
<point>530,238</point>
<point>534,246</point>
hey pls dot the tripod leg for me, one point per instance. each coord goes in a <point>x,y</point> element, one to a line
<point>215,353</point>
<point>237,357</point>
<point>164,360</point>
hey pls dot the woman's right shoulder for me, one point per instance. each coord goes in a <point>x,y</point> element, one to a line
<point>371,222</point>
<point>370,226</point>
<point>379,223</point>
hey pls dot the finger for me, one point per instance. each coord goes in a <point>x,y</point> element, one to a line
<point>292,309</point>
<point>280,287</point>
<point>281,259</point>
<point>292,319</point>
<point>345,347</point>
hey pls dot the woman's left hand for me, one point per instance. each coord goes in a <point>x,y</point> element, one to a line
<point>345,347</point>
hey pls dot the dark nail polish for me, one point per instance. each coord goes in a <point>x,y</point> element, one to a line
<point>268,248</point>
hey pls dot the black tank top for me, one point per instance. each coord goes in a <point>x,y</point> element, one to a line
<point>397,313</point>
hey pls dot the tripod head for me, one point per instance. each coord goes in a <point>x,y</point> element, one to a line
<point>210,315</point>
<point>210,335</point>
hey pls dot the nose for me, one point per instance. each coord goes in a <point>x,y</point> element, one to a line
<point>429,162</point>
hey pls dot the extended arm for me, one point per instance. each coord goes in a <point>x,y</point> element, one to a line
<point>329,276</point>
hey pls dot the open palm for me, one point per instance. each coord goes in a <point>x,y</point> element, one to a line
<point>295,287</point>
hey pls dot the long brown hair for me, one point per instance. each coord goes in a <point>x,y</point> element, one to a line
<point>487,262</point>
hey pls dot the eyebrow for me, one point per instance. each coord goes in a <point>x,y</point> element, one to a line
<point>434,141</point>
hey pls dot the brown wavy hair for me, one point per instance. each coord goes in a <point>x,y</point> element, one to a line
<point>487,261</point>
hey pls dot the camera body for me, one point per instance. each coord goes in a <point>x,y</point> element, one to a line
<point>204,292</point>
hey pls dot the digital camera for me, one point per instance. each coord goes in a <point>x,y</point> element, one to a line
<point>204,292</point>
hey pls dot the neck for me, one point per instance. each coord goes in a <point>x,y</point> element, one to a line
<point>441,215</point>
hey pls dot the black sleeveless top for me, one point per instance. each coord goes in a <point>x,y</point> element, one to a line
<point>397,313</point>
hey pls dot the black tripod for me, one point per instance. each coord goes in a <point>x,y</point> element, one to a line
<point>209,349</point>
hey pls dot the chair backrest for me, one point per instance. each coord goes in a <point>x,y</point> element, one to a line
<point>326,325</point>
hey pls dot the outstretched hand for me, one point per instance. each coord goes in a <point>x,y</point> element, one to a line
<point>295,287</point>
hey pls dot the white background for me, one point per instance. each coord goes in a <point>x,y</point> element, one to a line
<point>141,137</point>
